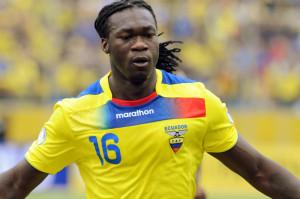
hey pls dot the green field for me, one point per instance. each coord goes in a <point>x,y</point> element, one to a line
<point>65,195</point>
<point>54,195</point>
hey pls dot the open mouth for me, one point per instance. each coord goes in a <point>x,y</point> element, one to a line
<point>140,61</point>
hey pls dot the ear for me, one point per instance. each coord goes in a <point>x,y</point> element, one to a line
<point>105,45</point>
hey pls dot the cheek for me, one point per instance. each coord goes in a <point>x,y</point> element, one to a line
<point>155,51</point>
<point>119,52</point>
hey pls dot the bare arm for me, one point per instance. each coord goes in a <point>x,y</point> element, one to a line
<point>264,174</point>
<point>19,181</point>
<point>200,193</point>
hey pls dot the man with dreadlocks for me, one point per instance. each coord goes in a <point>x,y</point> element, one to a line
<point>140,132</point>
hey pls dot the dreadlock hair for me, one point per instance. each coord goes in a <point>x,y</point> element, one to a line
<point>167,59</point>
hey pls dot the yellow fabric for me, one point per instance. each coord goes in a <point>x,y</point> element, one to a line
<point>139,162</point>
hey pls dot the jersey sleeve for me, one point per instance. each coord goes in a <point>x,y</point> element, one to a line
<point>221,134</point>
<point>55,148</point>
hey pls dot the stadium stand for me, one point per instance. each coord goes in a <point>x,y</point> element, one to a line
<point>247,52</point>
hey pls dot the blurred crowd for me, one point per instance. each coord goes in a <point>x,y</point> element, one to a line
<point>245,51</point>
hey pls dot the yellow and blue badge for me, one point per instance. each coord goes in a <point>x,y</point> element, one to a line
<point>177,132</point>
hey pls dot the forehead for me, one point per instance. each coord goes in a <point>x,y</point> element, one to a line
<point>131,18</point>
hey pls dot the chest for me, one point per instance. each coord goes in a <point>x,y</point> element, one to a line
<point>159,131</point>
<point>160,142</point>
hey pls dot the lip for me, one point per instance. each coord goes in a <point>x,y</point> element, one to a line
<point>140,61</point>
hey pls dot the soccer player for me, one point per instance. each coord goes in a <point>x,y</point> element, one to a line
<point>140,132</point>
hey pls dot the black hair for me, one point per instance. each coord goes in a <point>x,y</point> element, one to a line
<point>167,59</point>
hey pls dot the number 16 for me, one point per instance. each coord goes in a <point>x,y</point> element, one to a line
<point>107,147</point>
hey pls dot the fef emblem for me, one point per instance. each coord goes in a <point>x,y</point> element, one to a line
<point>177,132</point>
<point>176,143</point>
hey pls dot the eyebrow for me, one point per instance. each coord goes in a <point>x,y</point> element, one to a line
<point>129,30</point>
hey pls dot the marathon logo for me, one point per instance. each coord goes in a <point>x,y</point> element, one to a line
<point>136,113</point>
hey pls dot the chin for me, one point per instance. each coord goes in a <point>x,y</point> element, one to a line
<point>138,79</point>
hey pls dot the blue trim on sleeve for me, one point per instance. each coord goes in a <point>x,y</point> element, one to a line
<point>93,89</point>
<point>168,78</point>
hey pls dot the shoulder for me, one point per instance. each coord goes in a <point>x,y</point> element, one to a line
<point>171,79</point>
<point>178,86</point>
<point>90,98</point>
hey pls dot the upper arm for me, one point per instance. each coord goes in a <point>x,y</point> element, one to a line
<point>264,174</point>
<point>20,180</point>
<point>55,148</point>
<point>242,159</point>
<point>221,133</point>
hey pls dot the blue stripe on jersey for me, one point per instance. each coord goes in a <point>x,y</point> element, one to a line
<point>168,78</point>
<point>115,116</point>
<point>93,89</point>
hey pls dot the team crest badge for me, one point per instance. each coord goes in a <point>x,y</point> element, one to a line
<point>177,132</point>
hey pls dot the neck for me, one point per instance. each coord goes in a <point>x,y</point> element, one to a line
<point>126,90</point>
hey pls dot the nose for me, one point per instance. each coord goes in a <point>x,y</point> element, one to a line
<point>139,44</point>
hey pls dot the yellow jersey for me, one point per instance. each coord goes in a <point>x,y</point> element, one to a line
<point>148,148</point>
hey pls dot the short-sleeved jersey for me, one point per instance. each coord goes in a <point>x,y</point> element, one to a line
<point>140,150</point>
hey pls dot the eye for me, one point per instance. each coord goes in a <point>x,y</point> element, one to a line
<point>149,35</point>
<point>125,37</point>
